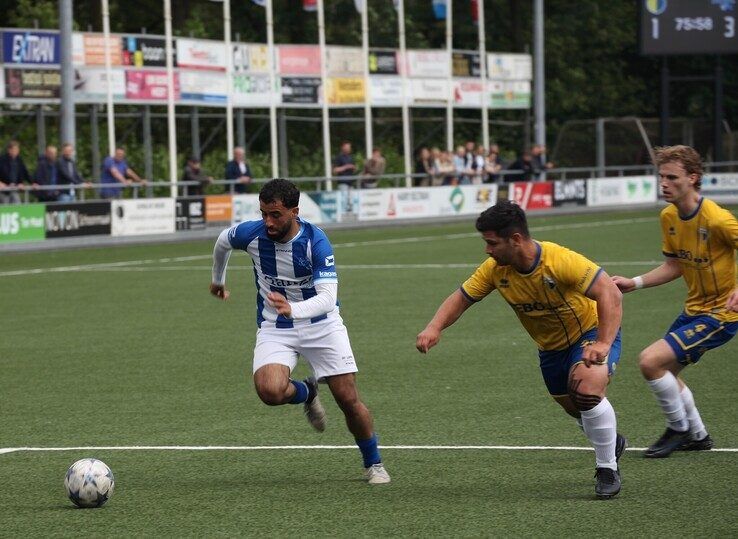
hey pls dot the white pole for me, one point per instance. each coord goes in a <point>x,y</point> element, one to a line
<point>450,97</point>
<point>108,78</point>
<point>171,119</point>
<point>272,90</point>
<point>368,133</point>
<point>405,109</point>
<point>323,82</point>
<point>229,74</point>
<point>483,75</point>
<point>539,75</point>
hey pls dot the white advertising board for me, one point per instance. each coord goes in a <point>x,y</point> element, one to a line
<point>467,93</point>
<point>143,216</point>
<point>90,84</point>
<point>720,184</point>
<point>201,54</point>
<point>386,91</point>
<point>428,63</point>
<point>200,87</point>
<point>621,191</point>
<point>429,91</point>
<point>510,66</point>
<point>402,203</point>
<point>253,90</point>
<point>344,61</point>
<point>246,208</point>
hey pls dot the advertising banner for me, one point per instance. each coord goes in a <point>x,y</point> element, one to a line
<point>428,63</point>
<point>300,90</point>
<point>621,191</point>
<point>466,64</point>
<point>31,47</point>
<point>570,193</point>
<point>327,205</point>
<point>21,222</point>
<point>383,63</point>
<point>218,209</point>
<point>467,93</point>
<point>201,54</point>
<point>78,49</point>
<point>149,85</point>
<point>298,60</point>
<point>345,90</point>
<point>77,219</point>
<point>145,52</point>
<point>720,184</point>
<point>251,90</point>
<point>532,195</point>
<point>94,47</point>
<point>386,91</point>
<point>428,91</point>
<point>510,66</point>
<point>202,87</point>
<point>142,216</point>
<point>91,86</point>
<point>190,213</point>
<point>344,61</point>
<point>246,208</point>
<point>509,95</point>
<point>32,83</point>
<point>250,58</point>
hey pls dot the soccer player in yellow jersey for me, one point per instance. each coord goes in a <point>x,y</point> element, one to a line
<point>571,309</point>
<point>699,243</point>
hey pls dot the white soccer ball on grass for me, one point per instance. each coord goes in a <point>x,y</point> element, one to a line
<point>89,483</point>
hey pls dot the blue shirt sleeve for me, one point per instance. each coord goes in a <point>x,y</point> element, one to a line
<point>242,234</point>
<point>324,263</point>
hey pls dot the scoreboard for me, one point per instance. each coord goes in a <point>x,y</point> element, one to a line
<point>688,26</point>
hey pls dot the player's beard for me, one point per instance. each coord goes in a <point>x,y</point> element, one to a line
<point>280,234</point>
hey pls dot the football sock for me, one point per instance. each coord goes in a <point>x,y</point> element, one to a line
<point>301,392</point>
<point>696,427</point>
<point>579,423</point>
<point>600,427</point>
<point>369,451</point>
<point>666,391</point>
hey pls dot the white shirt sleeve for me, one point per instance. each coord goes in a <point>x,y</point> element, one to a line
<point>221,254</point>
<point>320,304</point>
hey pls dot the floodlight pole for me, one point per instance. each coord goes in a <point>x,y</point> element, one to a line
<point>539,80</point>
<point>67,118</point>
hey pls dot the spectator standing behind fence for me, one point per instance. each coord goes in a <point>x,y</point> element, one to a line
<point>424,166</point>
<point>238,169</point>
<point>523,166</point>
<point>13,174</point>
<point>66,170</point>
<point>462,166</point>
<point>194,173</point>
<point>479,166</point>
<point>539,165</point>
<point>446,169</point>
<point>47,175</point>
<point>494,163</point>
<point>116,173</point>
<point>374,166</point>
<point>343,164</point>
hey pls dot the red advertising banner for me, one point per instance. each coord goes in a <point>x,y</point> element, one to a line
<point>299,60</point>
<point>149,85</point>
<point>532,195</point>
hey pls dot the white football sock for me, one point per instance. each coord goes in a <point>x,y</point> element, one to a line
<point>696,427</point>
<point>666,390</point>
<point>600,427</point>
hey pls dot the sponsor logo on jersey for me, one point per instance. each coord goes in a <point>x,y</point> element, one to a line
<point>327,274</point>
<point>330,261</point>
<point>549,282</point>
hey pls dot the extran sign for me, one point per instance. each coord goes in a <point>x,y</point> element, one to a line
<point>36,48</point>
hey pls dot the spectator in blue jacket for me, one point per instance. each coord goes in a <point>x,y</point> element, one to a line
<point>13,174</point>
<point>47,174</point>
<point>116,173</point>
<point>238,169</point>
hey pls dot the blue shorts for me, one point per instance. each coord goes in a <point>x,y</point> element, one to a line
<point>556,364</point>
<point>692,336</point>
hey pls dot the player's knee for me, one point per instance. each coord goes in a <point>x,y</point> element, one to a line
<point>582,398</point>
<point>271,395</point>
<point>648,364</point>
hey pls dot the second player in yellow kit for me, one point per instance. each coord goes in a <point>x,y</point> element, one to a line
<point>572,310</point>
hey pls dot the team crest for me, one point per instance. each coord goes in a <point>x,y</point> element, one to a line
<point>703,233</point>
<point>672,232</point>
<point>549,282</point>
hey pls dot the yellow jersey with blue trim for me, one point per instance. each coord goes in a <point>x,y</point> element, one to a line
<point>704,243</point>
<point>549,299</point>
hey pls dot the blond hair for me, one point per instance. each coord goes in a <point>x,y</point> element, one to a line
<point>684,155</point>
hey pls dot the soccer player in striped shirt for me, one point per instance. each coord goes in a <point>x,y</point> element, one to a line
<point>570,308</point>
<point>297,315</point>
<point>699,243</point>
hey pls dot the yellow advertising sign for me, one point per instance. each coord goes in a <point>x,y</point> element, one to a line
<point>343,90</point>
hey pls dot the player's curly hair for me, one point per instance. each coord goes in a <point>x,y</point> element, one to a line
<point>281,190</point>
<point>504,219</point>
<point>686,155</point>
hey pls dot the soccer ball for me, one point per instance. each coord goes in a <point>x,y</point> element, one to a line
<point>89,483</point>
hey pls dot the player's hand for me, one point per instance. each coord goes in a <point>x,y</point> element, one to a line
<point>427,339</point>
<point>280,304</point>
<point>623,283</point>
<point>595,353</point>
<point>732,303</point>
<point>219,291</point>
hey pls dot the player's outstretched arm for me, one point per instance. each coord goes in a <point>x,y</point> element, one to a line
<point>609,316</point>
<point>665,273</point>
<point>448,313</point>
<point>221,254</point>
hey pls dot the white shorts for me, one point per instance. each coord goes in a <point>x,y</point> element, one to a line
<point>324,345</point>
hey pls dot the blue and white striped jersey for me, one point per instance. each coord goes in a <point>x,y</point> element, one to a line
<point>292,269</point>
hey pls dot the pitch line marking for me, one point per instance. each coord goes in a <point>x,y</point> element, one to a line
<point>6,450</point>
<point>83,267</point>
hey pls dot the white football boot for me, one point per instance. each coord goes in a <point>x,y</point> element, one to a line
<point>314,410</point>
<point>376,474</point>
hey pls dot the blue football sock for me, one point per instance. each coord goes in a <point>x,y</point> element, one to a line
<point>369,451</point>
<point>301,392</point>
